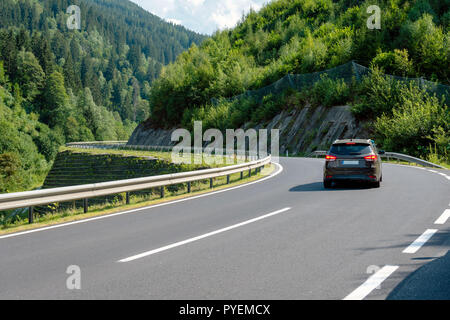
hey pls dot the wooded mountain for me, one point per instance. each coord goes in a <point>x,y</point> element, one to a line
<point>306,36</point>
<point>59,85</point>
<point>303,36</point>
<point>117,54</point>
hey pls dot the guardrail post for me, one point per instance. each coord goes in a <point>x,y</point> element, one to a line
<point>242,175</point>
<point>162,192</point>
<point>189,187</point>
<point>211,183</point>
<point>228,179</point>
<point>127,198</point>
<point>249,173</point>
<point>85,205</point>
<point>30,214</point>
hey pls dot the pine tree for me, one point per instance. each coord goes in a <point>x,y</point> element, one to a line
<point>30,75</point>
<point>54,100</point>
<point>109,73</point>
<point>70,77</point>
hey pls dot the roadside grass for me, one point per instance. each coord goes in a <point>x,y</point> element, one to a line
<point>119,205</point>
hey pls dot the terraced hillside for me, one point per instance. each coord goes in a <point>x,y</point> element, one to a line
<point>73,168</point>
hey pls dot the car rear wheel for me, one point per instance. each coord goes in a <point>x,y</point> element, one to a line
<point>376,184</point>
<point>327,184</point>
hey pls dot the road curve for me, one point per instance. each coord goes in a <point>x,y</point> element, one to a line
<point>282,238</point>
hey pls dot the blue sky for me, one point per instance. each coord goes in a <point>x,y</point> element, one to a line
<point>203,16</point>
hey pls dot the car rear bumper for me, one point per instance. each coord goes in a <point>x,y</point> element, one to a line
<point>351,177</point>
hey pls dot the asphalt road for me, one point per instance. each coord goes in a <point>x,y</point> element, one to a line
<point>282,238</point>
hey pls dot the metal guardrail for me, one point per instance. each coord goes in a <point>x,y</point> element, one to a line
<point>46,196</point>
<point>395,155</point>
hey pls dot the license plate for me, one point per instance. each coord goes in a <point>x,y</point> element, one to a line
<point>350,162</point>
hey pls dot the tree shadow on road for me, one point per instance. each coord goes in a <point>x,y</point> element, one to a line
<point>431,278</point>
<point>430,282</point>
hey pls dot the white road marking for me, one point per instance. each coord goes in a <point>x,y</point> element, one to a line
<point>203,236</point>
<point>280,169</point>
<point>420,241</point>
<point>443,218</point>
<point>372,283</point>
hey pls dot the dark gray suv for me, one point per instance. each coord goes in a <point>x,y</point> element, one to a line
<point>354,160</point>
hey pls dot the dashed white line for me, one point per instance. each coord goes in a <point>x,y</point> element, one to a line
<point>420,241</point>
<point>203,236</point>
<point>444,217</point>
<point>372,283</point>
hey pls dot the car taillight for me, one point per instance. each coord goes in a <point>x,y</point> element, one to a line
<point>330,158</point>
<point>372,157</point>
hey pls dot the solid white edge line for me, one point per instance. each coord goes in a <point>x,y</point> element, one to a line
<point>280,169</point>
<point>444,217</point>
<point>372,283</point>
<point>200,237</point>
<point>420,241</point>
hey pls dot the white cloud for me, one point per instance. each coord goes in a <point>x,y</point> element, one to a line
<point>195,3</point>
<point>204,16</point>
<point>229,12</point>
<point>174,21</point>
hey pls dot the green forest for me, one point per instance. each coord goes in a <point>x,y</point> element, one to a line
<point>125,66</point>
<point>304,36</point>
<point>59,85</point>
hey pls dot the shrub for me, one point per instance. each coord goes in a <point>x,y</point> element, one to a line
<point>395,63</point>
<point>420,120</point>
<point>376,94</point>
<point>269,107</point>
<point>329,92</point>
<point>10,167</point>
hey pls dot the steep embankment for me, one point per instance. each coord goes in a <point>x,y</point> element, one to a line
<point>301,129</point>
<point>76,168</point>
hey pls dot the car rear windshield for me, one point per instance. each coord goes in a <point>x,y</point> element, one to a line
<point>350,149</point>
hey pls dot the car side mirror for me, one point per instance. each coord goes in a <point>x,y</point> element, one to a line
<point>381,152</point>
